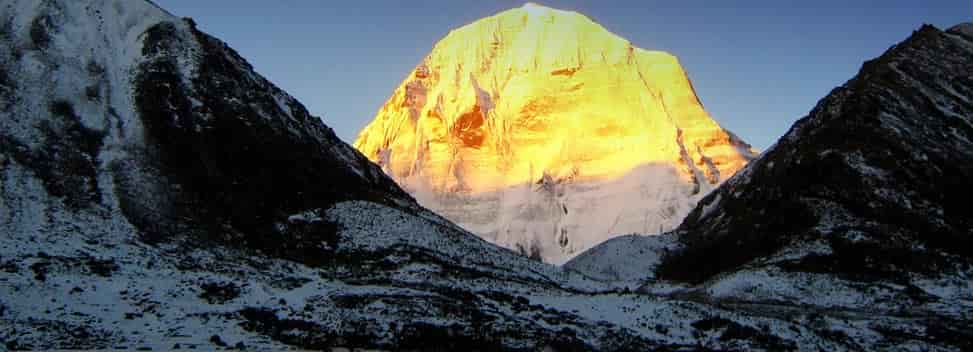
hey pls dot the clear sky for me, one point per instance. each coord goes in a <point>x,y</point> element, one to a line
<point>757,65</point>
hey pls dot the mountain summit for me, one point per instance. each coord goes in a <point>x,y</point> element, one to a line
<point>541,131</point>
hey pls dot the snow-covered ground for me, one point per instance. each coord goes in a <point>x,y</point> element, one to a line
<point>631,259</point>
<point>555,220</point>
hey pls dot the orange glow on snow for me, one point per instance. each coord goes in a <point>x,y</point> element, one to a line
<point>536,91</point>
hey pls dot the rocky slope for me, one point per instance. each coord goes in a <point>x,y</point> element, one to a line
<point>157,193</point>
<point>861,207</point>
<point>541,131</point>
<point>875,176</point>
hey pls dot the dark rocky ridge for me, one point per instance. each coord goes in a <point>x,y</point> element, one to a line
<point>243,168</point>
<point>880,170</point>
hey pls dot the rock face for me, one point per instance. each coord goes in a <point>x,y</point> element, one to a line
<point>543,132</point>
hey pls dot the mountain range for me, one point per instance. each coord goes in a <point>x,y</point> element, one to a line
<point>156,192</point>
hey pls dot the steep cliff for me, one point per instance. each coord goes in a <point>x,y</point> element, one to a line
<point>541,131</point>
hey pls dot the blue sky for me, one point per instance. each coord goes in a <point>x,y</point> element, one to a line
<point>757,65</point>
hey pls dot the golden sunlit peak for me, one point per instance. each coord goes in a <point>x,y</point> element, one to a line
<point>535,93</point>
<point>533,6</point>
<point>534,9</point>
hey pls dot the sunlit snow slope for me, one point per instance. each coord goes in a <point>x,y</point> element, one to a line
<point>543,132</point>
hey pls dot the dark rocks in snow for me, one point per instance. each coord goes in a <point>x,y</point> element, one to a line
<point>729,330</point>
<point>217,340</point>
<point>68,158</point>
<point>84,264</point>
<point>40,29</point>
<point>219,292</point>
<point>103,268</point>
<point>7,87</point>
<point>40,270</point>
<point>290,331</point>
<point>9,266</point>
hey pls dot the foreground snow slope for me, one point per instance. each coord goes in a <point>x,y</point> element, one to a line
<point>156,192</point>
<point>631,259</point>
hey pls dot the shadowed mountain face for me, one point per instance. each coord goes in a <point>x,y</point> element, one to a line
<point>189,139</point>
<point>878,174</point>
<point>242,169</point>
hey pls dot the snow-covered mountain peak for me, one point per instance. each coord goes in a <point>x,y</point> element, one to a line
<point>541,131</point>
